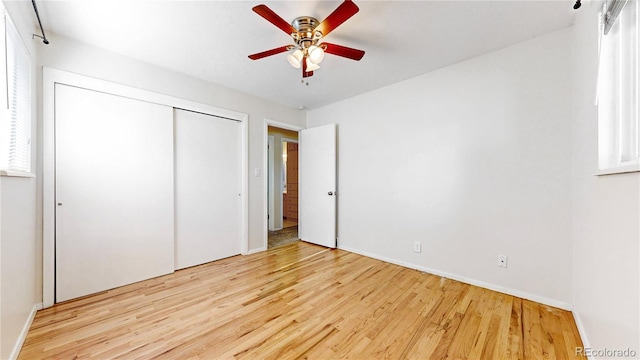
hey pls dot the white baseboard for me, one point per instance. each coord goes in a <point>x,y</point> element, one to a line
<point>253,251</point>
<point>581,330</point>
<point>466,280</point>
<point>25,330</point>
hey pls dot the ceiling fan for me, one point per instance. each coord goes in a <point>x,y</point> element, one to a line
<point>307,33</point>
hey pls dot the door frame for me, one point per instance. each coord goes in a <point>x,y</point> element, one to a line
<point>52,76</point>
<point>271,210</point>
<point>265,139</point>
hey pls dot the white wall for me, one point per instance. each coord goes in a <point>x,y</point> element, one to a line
<point>18,236</point>
<point>473,160</point>
<point>606,215</point>
<point>277,181</point>
<point>18,253</point>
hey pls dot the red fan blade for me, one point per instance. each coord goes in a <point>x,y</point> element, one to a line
<point>346,10</point>
<point>269,52</point>
<point>343,51</point>
<point>274,18</point>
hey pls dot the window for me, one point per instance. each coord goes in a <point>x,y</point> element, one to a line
<point>618,126</point>
<point>15,129</point>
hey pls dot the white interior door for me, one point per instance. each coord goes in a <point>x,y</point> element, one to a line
<point>114,191</point>
<point>317,185</point>
<point>208,172</point>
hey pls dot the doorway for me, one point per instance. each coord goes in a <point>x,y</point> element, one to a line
<point>282,186</point>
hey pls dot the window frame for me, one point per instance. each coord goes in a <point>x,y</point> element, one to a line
<point>9,124</point>
<point>618,115</point>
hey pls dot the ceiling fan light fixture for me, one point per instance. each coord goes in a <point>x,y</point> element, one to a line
<point>316,54</point>
<point>311,66</point>
<point>307,32</point>
<point>295,58</point>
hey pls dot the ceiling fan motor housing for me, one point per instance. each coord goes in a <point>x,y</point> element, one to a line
<point>306,34</point>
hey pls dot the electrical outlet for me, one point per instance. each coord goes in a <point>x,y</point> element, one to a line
<point>417,247</point>
<point>502,260</point>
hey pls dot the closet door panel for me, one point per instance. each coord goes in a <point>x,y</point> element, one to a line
<point>114,191</point>
<point>208,187</point>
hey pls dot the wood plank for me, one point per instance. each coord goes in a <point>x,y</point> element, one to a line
<point>301,301</point>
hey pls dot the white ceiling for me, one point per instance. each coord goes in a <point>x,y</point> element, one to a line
<point>211,39</point>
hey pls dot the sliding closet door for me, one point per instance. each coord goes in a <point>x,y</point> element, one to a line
<point>208,187</point>
<point>114,191</point>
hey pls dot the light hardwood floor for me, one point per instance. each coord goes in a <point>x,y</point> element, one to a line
<point>288,223</point>
<point>301,301</point>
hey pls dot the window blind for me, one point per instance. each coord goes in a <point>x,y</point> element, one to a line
<point>618,100</point>
<point>613,9</point>
<point>16,152</point>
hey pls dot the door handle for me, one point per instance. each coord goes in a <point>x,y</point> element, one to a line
<point>330,193</point>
